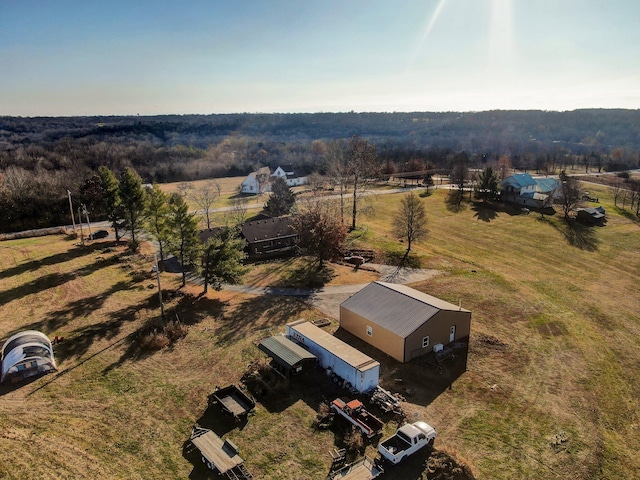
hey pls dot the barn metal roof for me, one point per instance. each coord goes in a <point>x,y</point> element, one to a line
<point>397,308</point>
<point>282,349</point>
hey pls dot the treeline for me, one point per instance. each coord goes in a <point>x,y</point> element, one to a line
<point>41,158</point>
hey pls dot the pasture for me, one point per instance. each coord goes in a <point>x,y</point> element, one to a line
<point>550,390</point>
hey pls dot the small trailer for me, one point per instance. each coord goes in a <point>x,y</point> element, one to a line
<point>219,455</point>
<point>363,469</point>
<point>357,415</point>
<point>232,401</point>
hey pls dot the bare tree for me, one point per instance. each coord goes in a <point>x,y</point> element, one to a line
<point>321,232</point>
<point>571,193</point>
<point>184,189</point>
<point>410,222</point>
<point>238,212</point>
<point>362,162</point>
<point>205,196</point>
<point>336,166</point>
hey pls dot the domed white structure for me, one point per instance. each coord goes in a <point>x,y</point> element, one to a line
<point>26,354</point>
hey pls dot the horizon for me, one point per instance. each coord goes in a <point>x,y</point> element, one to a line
<point>82,59</point>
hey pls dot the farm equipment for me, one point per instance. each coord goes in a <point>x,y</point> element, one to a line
<point>355,413</point>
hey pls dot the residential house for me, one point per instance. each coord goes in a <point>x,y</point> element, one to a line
<point>270,237</point>
<point>523,190</point>
<point>292,177</point>
<point>403,322</point>
<point>257,182</point>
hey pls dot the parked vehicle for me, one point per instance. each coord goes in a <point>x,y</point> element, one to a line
<point>408,440</point>
<point>99,234</point>
<point>356,414</point>
<point>232,401</point>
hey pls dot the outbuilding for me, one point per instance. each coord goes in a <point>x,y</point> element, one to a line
<point>403,322</point>
<point>288,358</point>
<point>26,354</point>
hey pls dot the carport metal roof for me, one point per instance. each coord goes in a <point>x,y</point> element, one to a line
<point>285,351</point>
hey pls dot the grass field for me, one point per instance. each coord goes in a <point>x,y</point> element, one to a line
<point>550,390</point>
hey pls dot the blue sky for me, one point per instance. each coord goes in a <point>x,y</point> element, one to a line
<point>154,57</point>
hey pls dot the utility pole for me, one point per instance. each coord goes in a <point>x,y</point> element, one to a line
<point>81,231</point>
<point>73,220</point>
<point>86,213</point>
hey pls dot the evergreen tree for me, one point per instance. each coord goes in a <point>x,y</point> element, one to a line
<point>487,184</point>
<point>222,259</point>
<point>111,198</point>
<point>157,213</point>
<point>133,200</point>
<point>183,240</point>
<point>281,200</point>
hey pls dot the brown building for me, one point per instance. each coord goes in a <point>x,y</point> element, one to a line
<point>403,322</point>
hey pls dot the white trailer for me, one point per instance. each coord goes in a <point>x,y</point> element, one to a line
<point>348,366</point>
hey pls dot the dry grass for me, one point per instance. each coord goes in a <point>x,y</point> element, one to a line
<point>553,355</point>
<point>298,271</point>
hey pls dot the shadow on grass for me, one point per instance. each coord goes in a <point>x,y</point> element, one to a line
<point>484,211</point>
<point>424,378</point>
<point>258,313</point>
<point>54,280</point>
<point>402,260</point>
<point>578,235</point>
<point>308,275</point>
<point>76,251</point>
<point>455,201</point>
<point>628,214</point>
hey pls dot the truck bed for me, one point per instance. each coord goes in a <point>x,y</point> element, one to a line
<point>395,445</point>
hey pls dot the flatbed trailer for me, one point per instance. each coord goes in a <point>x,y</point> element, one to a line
<point>232,401</point>
<point>219,455</point>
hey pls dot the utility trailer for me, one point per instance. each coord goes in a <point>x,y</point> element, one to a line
<point>363,469</point>
<point>232,401</point>
<point>347,366</point>
<point>219,455</point>
<point>355,413</point>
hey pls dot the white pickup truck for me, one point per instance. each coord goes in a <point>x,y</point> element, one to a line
<point>408,439</point>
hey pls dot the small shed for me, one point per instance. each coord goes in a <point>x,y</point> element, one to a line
<point>403,322</point>
<point>26,354</point>
<point>288,357</point>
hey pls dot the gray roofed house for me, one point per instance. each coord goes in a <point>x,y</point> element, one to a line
<point>401,321</point>
<point>288,356</point>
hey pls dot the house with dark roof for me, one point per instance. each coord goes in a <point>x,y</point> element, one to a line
<point>270,237</point>
<point>525,191</point>
<point>291,176</point>
<point>403,322</point>
<point>591,215</point>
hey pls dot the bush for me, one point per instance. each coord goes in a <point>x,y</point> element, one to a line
<point>353,440</point>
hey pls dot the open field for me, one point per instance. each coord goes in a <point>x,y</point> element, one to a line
<point>550,390</point>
